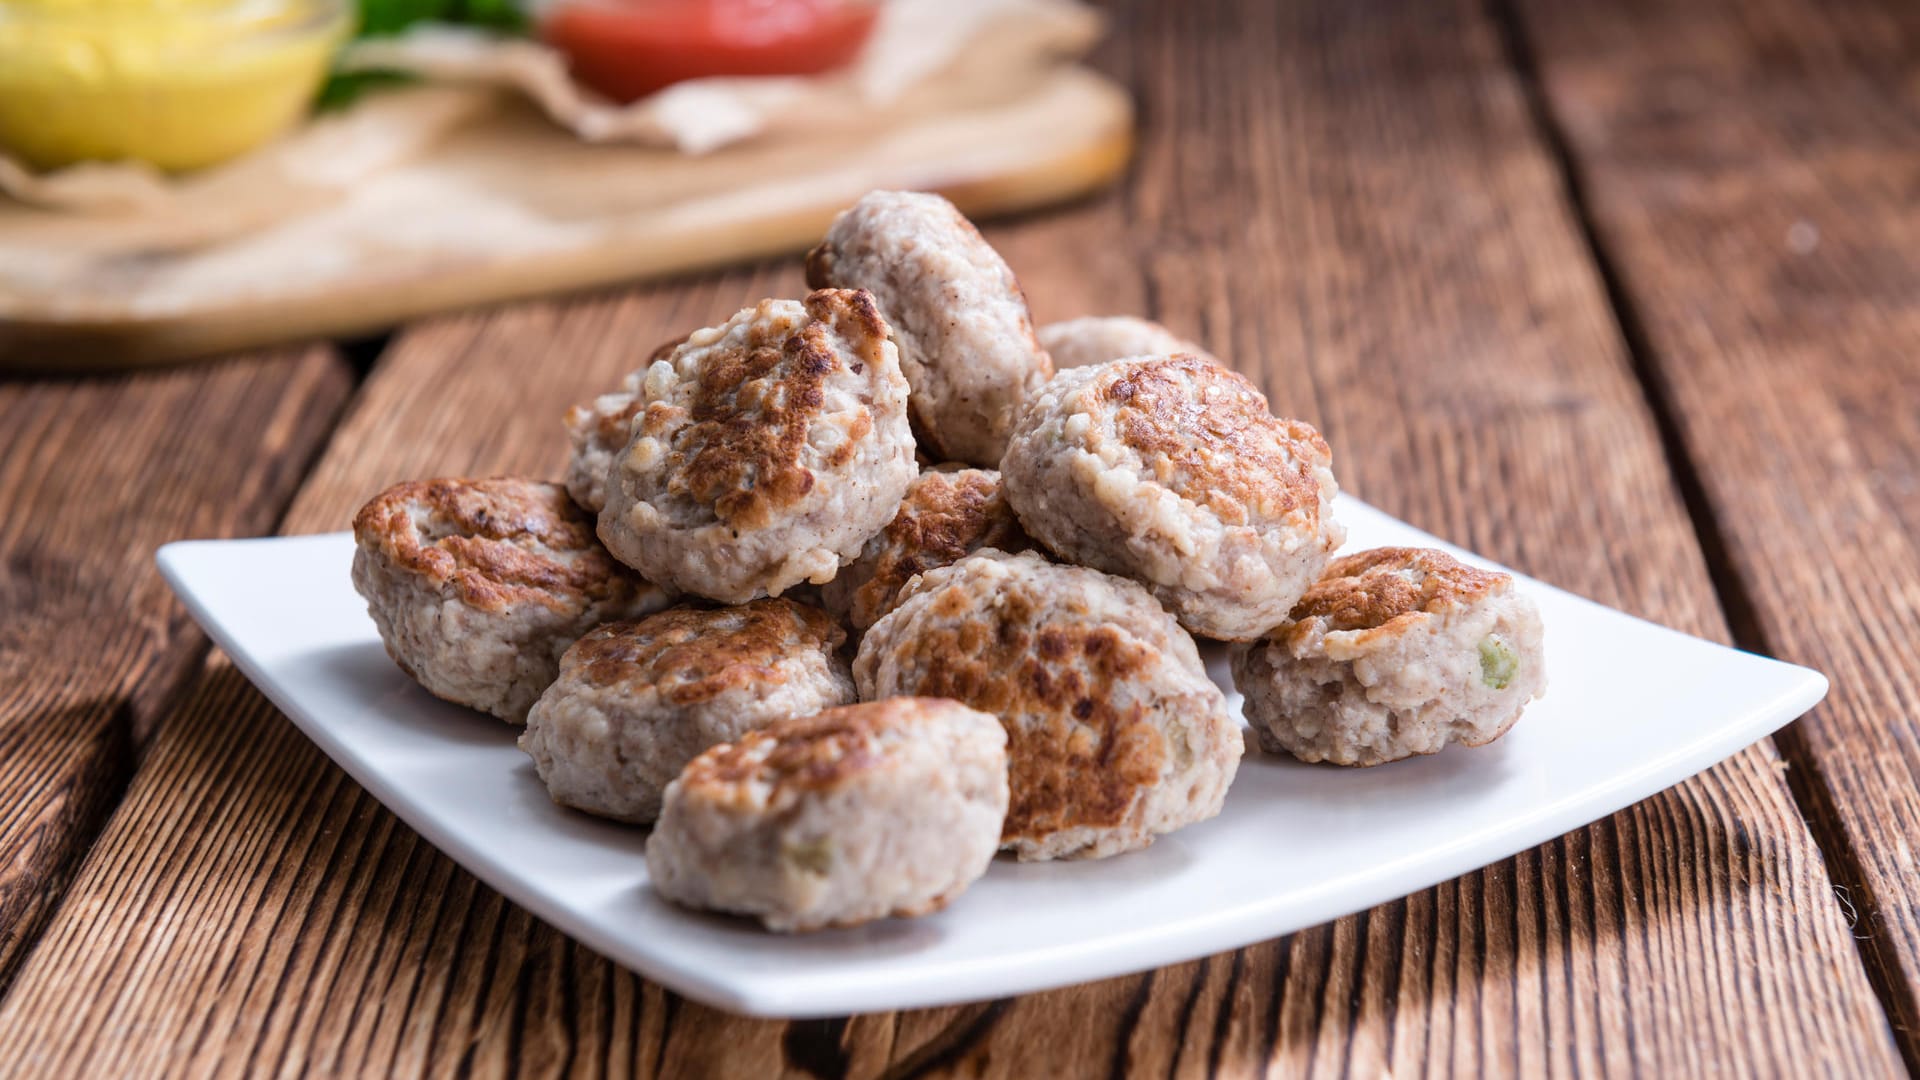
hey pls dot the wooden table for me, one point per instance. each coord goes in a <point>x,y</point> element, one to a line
<point>1623,294</point>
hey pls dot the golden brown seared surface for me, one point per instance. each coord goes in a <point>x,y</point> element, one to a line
<point>945,516</point>
<point>810,753</point>
<point>1115,734</point>
<point>769,450</point>
<point>1171,470</point>
<point>1371,590</point>
<point>694,654</point>
<point>496,542</point>
<point>610,427</point>
<point>1207,433</point>
<point>753,408</point>
<point>1086,746</point>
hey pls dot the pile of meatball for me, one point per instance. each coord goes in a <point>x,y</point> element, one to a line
<point>850,592</point>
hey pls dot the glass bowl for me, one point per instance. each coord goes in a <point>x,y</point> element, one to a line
<point>178,84</point>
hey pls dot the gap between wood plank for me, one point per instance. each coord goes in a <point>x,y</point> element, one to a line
<point>1803,773</point>
<point>362,354</point>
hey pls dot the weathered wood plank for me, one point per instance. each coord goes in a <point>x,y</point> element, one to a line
<point>1349,202</point>
<point>94,475</point>
<point>1753,171</point>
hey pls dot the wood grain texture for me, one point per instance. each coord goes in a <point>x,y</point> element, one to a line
<point>1351,203</point>
<point>94,476</point>
<point>1753,171</point>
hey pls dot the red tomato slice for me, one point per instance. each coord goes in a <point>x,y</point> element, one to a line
<point>627,49</point>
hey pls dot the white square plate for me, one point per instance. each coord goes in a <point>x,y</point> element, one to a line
<point>1631,709</point>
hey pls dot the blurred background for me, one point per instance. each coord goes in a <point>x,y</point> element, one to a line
<point>183,177</point>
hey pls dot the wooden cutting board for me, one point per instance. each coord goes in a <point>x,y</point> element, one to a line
<point>502,205</point>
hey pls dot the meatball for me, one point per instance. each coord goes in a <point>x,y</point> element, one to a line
<point>1096,339</point>
<point>1116,734</point>
<point>861,812</point>
<point>1396,651</point>
<point>946,515</point>
<point>1172,471</point>
<point>636,701</point>
<point>764,452</point>
<point>966,338</point>
<point>598,431</point>
<point>478,586</point>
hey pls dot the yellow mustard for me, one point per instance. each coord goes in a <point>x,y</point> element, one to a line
<point>175,83</point>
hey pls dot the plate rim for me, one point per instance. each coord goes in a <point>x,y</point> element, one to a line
<point>1237,927</point>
